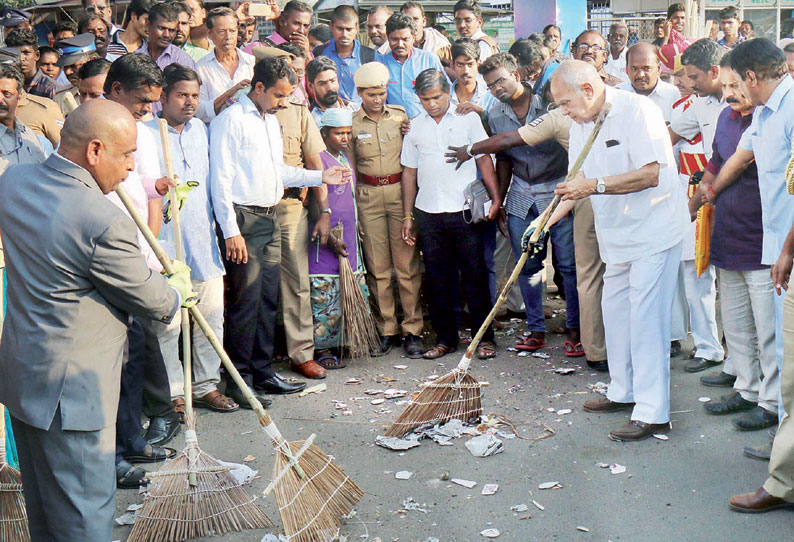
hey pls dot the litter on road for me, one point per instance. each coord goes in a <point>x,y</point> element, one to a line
<point>490,489</point>
<point>468,484</point>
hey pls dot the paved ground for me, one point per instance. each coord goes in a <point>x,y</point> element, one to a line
<point>671,490</point>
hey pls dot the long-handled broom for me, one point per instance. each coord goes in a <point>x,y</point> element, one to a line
<point>458,395</point>
<point>312,492</point>
<point>193,494</point>
<point>13,516</point>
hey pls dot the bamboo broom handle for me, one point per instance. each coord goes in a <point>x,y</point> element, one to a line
<point>577,165</point>
<point>190,432</point>
<point>264,418</point>
<point>2,435</point>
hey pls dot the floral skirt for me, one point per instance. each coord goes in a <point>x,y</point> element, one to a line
<point>327,308</point>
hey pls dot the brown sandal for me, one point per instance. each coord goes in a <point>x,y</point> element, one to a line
<point>486,350</point>
<point>215,401</point>
<point>438,351</point>
<point>179,408</point>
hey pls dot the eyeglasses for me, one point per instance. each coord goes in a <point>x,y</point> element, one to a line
<point>584,47</point>
<point>497,83</point>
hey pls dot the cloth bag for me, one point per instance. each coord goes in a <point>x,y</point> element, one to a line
<point>477,203</point>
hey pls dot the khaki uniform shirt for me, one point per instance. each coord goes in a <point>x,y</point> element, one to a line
<point>300,134</point>
<point>377,145</point>
<point>552,125</point>
<point>41,115</point>
<point>18,147</point>
<point>67,105</point>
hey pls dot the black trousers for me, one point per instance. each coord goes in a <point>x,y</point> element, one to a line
<point>156,388</point>
<point>128,420</point>
<point>251,296</point>
<point>452,252</point>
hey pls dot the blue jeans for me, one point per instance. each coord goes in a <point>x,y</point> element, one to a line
<point>532,275</point>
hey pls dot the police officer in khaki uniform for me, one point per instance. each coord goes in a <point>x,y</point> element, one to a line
<point>18,144</point>
<point>377,144</point>
<point>302,147</point>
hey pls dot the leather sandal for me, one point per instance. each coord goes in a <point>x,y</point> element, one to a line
<point>216,401</point>
<point>438,351</point>
<point>129,476</point>
<point>330,362</point>
<point>179,408</point>
<point>486,350</point>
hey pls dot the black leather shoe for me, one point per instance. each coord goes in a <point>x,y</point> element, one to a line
<point>757,418</point>
<point>151,454</point>
<point>387,342</point>
<point>237,396</point>
<point>161,431</point>
<point>700,364</point>
<point>277,385</point>
<point>763,452</point>
<point>129,476</point>
<point>722,380</point>
<point>600,366</point>
<point>413,346</point>
<point>729,404</point>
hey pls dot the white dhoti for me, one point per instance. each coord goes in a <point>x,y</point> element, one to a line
<point>637,306</point>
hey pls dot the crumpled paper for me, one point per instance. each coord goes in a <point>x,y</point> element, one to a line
<point>243,474</point>
<point>484,445</point>
<point>410,440</point>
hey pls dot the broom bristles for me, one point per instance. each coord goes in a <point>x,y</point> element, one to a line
<point>453,396</point>
<point>312,508</point>
<point>359,330</point>
<point>13,516</point>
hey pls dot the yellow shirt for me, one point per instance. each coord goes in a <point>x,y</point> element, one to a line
<point>41,115</point>
<point>552,125</point>
<point>377,145</point>
<point>300,134</point>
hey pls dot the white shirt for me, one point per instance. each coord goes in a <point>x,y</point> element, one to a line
<point>663,94</point>
<point>247,163</point>
<point>215,80</point>
<point>701,117</point>
<point>632,226</point>
<point>617,66</point>
<point>440,186</point>
<point>485,48</point>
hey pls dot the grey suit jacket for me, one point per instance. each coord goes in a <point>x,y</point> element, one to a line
<point>75,273</point>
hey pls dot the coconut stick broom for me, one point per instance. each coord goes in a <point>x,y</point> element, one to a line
<point>458,395</point>
<point>312,492</point>
<point>193,495</point>
<point>359,330</point>
<point>13,516</point>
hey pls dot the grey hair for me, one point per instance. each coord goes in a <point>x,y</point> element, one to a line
<point>430,79</point>
<point>576,73</point>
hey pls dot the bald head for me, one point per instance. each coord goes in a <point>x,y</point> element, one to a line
<point>643,67</point>
<point>578,90</point>
<point>100,136</point>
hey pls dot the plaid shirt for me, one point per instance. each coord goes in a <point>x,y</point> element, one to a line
<point>41,85</point>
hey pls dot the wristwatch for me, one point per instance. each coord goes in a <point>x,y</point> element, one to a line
<point>601,186</point>
<point>326,211</point>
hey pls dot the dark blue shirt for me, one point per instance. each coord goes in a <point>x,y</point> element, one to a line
<point>738,235</point>
<point>345,68</point>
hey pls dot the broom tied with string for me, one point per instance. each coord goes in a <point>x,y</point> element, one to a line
<point>458,395</point>
<point>193,495</point>
<point>313,494</point>
<point>13,516</point>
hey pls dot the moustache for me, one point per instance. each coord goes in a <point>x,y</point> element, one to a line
<point>732,100</point>
<point>3,108</point>
<point>100,39</point>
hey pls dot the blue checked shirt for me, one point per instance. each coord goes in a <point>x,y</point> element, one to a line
<point>345,68</point>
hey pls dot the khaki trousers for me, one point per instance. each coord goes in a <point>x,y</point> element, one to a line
<point>380,214</point>
<point>781,465</point>
<point>589,281</point>
<point>294,283</point>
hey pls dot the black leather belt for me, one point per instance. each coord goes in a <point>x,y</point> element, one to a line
<point>256,210</point>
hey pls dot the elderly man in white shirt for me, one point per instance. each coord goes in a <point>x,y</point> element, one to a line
<point>226,70</point>
<point>433,197</point>
<point>247,180</point>
<point>617,56</point>
<point>640,215</point>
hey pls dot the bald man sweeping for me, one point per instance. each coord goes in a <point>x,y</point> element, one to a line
<point>75,273</point>
<point>631,179</point>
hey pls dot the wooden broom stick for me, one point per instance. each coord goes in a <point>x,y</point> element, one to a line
<point>463,366</point>
<point>265,420</point>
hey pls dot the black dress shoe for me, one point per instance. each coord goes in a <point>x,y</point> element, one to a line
<point>237,396</point>
<point>161,430</point>
<point>387,342</point>
<point>129,476</point>
<point>151,454</point>
<point>700,364</point>
<point>757,418</point>
<point>413,346</point>
<point>600,366</point>
<point>729,404</point>
<point>277,385</point>
<point>722,380</point>
<point>763,452</point>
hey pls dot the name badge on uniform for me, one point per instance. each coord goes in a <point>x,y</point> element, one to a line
<point>364,136</point>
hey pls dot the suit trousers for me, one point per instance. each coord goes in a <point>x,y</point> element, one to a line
<point>128,419</point>
<point>296,306</point>
<point>748,302</point>
<point>637,307</point>
<point>589,281</point>
<point>69,480</point>
<point>781,465</point>
<point>156,388</point>
<point>452,251</point>
<point>251,294</point>
<point>205,361</point>
<point>380,214</point>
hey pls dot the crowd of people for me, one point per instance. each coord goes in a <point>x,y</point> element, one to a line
<point>426,163</point>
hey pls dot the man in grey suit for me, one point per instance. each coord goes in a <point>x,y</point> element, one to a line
<point>75,274</point>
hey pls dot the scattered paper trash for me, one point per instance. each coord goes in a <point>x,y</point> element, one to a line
<point>248,458</point>
<point>373,392</point>
<point>661,437</point>
<point>564,411</point>
<point>564,370</point>
<point>393,394</point>
<point>401,367</point>
<point>519,508</point>
<point>484,445</point>
<point>602,465</point>
<point>616,468</point>
<point>538,505</point>
<point>541,355</point>
<point>403,475</point>
<point>468,484</point>
<point>704,399</point>
<point>401,444</point>
<point>490,533</point>
<point>270,537</point>
<point>490,489</point>
<point>243,474</point>
<point>598,387</point>
<point>583,529</point>
<point>314,389</point>
<point>378,401</point>
<point>550,485</point>
<point>409,504</point>
<point>353,381</point>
